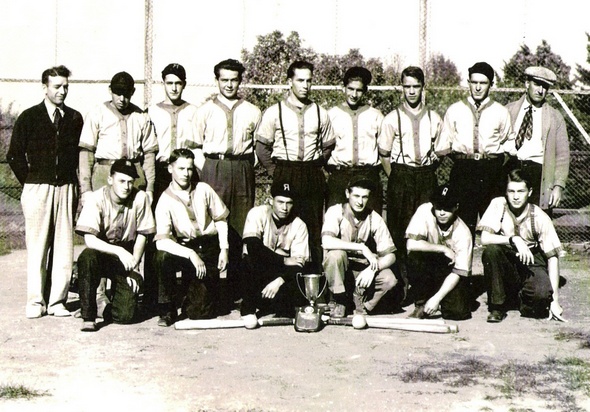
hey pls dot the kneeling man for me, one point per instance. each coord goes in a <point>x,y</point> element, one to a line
<point>276,248</point>
<point>191,237</point>
<point>521,255</point>
<point>115,222</point>
<point>359,251</point>
<point>439,258</point>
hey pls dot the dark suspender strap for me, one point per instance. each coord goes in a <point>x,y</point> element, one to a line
<point>401,141</point>
<point>319,140</point>
<point>283,131</point>
<point>534,225</point>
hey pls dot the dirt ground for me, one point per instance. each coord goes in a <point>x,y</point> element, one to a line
<point>144,367</point>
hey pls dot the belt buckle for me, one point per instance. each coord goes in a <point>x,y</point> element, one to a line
<point>221,156</point>
<point>477,156</point>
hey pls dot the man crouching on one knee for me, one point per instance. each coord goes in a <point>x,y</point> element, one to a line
<point>359,251</point>
<point>521,256</point>
<point>439,261</point>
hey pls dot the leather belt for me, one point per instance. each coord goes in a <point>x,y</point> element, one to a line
<point>475,156</point>
<point>109,162</point>
<point>223,156</point>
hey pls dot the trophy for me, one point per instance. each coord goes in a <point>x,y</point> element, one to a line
<point>308,318</point>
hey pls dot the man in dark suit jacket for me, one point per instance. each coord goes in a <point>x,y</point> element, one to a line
<point>541,140</point>
<point>43,155</point>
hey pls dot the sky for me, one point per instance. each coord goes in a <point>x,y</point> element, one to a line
<point>97,38</point>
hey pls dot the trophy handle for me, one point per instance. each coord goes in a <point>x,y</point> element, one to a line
<point>325,284</point>
<point>299,275</point>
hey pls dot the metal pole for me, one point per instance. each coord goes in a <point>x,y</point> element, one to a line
<point>149,43</point>
<point>423,33</point>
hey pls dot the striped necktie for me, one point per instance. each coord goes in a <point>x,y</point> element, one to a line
<point>526,128</point>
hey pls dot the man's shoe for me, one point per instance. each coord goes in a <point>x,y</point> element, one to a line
<point>496,316</point>
<point>418,312</point>
<point>339,311</point>
<point>59,311</point>
<point>166,320</point>
<point>34,311</point>
<point>88,326</point>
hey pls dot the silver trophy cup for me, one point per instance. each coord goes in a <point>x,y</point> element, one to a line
<point>311,284</point>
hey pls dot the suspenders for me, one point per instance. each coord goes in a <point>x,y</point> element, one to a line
<point>533,223</point>
<point>318,140</point>
<point>401,140</point>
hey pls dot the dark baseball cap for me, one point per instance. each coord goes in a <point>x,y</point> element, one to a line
<point>124,166</point>
<point>445,198</point>
<point>175,69</point>
<point>362,181</point>
<point>483,68</point>
<point>282,188</point>
<point>122,83</point>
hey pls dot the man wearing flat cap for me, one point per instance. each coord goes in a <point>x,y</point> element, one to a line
<point>439,257</point>
<point>359,251</point>
<point>117,129</point>
<point>356,126</point>
<point>276,248</point>
<point>477,133</point>
<point>115,222</point>
<point>541,139</point>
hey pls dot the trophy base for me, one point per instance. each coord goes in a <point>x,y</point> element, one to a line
<point>308,319</point>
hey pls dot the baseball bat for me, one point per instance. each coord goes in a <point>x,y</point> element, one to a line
<point>413,327</point>
<point>378,319</point>
<point>188,324</point>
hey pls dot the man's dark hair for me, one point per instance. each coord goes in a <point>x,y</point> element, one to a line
<point>298,65</point>
<point>415,72</point>
<point>519,175</point>
<point>180,153</point>
<point>358,74</point>
<point>229,64</point>
<point>62,71</point>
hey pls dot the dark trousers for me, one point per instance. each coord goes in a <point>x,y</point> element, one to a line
<point>427,272</point>
<point>510,281</point>
<point>200,295</point>
<point>407,188</point>
<point>308,181</point>
<point>256,274</point>
<point>338,182</point>
<point>94,265</point>
<point>478,182</point>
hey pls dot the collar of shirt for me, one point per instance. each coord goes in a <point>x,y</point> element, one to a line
<point>483,103</point>
<point>344,106</point>
<point>295,104</point>
<point>411,112</point>
<point>116,201</point>
<point>184,195</point>
<point>229,103</point>
<point>51,109</point>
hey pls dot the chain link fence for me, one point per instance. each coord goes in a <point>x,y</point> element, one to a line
<point>571,219</point>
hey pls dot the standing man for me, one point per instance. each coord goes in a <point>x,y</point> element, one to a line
<point>359,250</point>
<point>408,144</point>
<point>477,131</point>
<point>541,139</point>
<point>117,129</point>
<point>276,248</point>
<point>43,155</point>
<point>191,236</point>
<point>439,260</point>
<point>174,122</point>
<point>293,141</point>
<point>175,126</point>
<point>356,127</point>
<point>225,143</point>
<point>115,222</point>
<point>521,255</point>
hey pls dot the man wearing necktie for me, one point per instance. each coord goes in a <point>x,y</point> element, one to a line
<point>541,139</point>
<point>477,131</point>
<point>43,155</point>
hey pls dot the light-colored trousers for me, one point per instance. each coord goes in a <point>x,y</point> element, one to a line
<point>49,231</point>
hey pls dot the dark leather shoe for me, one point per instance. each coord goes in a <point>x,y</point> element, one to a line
<point>496,316</point>
<point>418,312</point>
<point>166,320</point>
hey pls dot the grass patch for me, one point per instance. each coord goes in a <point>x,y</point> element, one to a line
<point>18,391</point>
<point>582,336</point>
<point>554,380</point>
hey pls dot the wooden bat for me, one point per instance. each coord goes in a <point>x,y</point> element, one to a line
<point>377,319</point>
<point>188,324</point>
<point>415,326</point>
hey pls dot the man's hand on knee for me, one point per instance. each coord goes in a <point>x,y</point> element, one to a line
<point>365,278</point>
<point>271,290</point>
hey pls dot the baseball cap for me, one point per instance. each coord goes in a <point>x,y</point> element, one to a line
<point>124,166</point>
<point>444,197</point>
<point>483,68</point>
<point>541,74</point>
<point>361,181</point>
<point>175,69</point>
<point>282,188</point>
<point>122,83</point>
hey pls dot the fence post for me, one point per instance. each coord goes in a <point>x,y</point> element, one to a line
<point>148,51</point>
